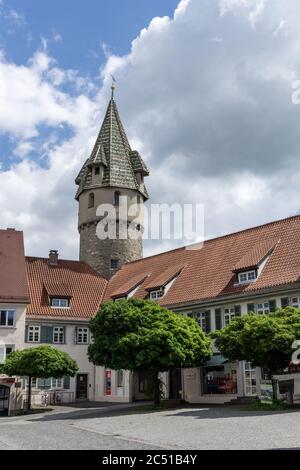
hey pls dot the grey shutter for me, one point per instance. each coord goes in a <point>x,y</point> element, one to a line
<point>75,335</point>
<point>237,310</point>
<point>65,332</point>
<point>47,334</point>
<point>251,308</point>
<point>285,302</point>
<point>272,305</point>
<point>66,383</point>
<point>218,315</point>
<point>26,334</point>
<point>207,321</point>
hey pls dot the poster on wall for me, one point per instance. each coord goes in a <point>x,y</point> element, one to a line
<point>108,382</point>
<point>266,390</point>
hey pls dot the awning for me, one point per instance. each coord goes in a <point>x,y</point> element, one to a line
<point>216,360</point>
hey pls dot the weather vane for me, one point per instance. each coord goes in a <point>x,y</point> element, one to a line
<point>113,85</point>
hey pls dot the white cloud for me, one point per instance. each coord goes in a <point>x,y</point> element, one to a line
<point>205,100</point>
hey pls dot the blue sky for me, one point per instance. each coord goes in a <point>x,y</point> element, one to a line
<point>82,25</point>
<point>201,93</point>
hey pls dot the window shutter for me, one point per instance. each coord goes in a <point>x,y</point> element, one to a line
<point>218,315</point>
<point>2,354</point>
<point>75,334</point>
<point>47,334</point>
<point>26,333</point>
<point>272,305</point>
<point>237,310</point>
<point>65,339</point>
<point>66,383</point>
<point>207,321</point>
<point>251,308</point>
<point>285,302</point>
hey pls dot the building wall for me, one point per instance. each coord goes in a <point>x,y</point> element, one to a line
<point>98,252</point>
<point>14,335</point>
<point>193,378</point>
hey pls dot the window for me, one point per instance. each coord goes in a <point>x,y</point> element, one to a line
<point>56,383</point>
<point>7,317</point>
<point>295,302</point>
<point>25,382</point>
<point>120,378</point>
<point>263,308</point>
<point>157,294</point>
<point>60,303</point>
<point>82,335</point>
<point>220,379</point>
<point>34,333</point>
<point>5,351</point>
<point>248,276</point>
<point>114,263</point>
<point>117,198</point>
<point>58,334</point>
<point>138,199</point>
<point>201,319</point>
<point>97,170</point>
<point>229,314</point>
<point>91,200</point>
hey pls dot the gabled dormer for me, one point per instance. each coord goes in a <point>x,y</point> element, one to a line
<point>159,286</point>
<point>250,266</point>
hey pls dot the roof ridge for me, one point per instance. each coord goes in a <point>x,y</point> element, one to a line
<point>187,247</point>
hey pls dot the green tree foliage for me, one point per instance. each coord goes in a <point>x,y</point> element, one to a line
<point>139,335</point>
<point>39,362</point>
<point>263,340</point>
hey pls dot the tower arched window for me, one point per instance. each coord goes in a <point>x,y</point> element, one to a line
<point>117,198</point>
<point>91,200</point>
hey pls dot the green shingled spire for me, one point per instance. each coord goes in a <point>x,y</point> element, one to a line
<point>112,150</point>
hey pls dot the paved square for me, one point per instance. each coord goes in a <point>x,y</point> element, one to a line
<point>182,428</point>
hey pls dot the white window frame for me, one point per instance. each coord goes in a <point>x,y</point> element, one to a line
<point>83,333</point>
<point>157,294</point>
<point>247,276</point>
<point>34,330</point>
<point>57,383</point>
<point>58,335</point>
<point>228,315</point>
<point>294,302</point>
<point>263,308</point>
<point>60,302</point>
<point>7,311</point>
<point>201,319</point>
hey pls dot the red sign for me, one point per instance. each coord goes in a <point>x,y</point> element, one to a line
<point>7,380</point>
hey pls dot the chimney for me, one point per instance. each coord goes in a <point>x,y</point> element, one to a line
<point>53,258</point>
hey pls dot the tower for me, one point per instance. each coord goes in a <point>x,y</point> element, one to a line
<point>112,174</point>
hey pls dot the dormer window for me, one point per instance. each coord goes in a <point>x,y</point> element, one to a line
<point>97,170</point>
<point>157,294</point>
<point>59,302</point>
<point>247,276</point>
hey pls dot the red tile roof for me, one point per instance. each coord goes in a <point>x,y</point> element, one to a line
<point>13,280</point>
<point>163,278</point>
<point>256,255</point>
<point>208,272</point>
<point>68,278</point>
<point>129,285</point>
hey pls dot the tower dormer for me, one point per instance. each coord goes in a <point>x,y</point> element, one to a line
<point>113,171</point>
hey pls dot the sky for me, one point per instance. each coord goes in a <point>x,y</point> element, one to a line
<point>204,89</point>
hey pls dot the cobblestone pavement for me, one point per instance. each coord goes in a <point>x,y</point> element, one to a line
<point>182,428</point>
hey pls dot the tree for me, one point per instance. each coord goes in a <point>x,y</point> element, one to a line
<point>40,362</point>
<point>263,340</point>
<point>139,335</point>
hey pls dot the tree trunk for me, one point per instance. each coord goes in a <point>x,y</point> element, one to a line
<point>29,392</point>
<point>156,389</point>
